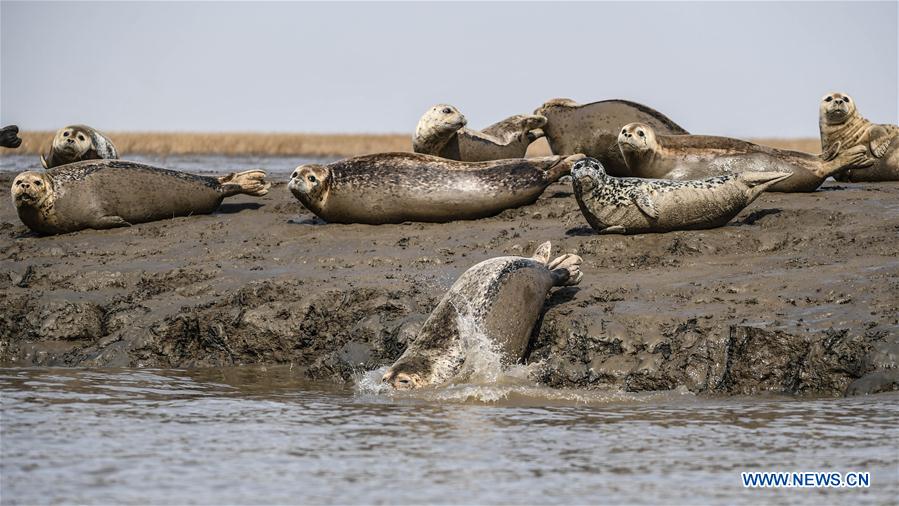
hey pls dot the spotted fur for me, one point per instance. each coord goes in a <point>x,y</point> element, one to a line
<point>634,205</point>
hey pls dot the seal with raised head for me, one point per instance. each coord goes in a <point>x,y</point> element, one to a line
<point>686,157</point>
<point>75,143</point>
<point>630,205</point>
<point>843,128</point>
<point>441,132</point>
<point>592,129</point>
<point>116,193</point>
<point>9,137</point>
<point>398,187</point>
<point>498,301</point>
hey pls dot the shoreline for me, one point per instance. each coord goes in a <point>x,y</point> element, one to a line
<point>796,295</point>
<point>293,144</point>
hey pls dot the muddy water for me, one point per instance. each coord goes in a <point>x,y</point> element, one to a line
<point>259,436</point>
<point>278,167</point>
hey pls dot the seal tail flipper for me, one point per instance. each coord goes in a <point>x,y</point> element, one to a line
<point>562,167</point>
<point>853,158</point>
<point>758,182</point>
<point>566,270</point>
<point>542,253</point>
<point>251,182</point>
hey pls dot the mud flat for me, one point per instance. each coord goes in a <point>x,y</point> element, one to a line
<point>799,294</point>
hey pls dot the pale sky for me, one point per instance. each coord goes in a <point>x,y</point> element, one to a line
<point>742,69</point>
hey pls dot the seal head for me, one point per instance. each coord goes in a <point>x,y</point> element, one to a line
<point>31,189</point>
<point>436,127</point>
<point>76,143</point>
<point>310,184</point>
<point>837,108</point>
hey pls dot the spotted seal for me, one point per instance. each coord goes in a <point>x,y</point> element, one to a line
<point>9,137</point>
<point>115,193</point>
<point>592,129</point>
<point>398,187</point>
<point>441,132</point>
<point>75,143</point>
<point>843,128</point>
<point>685,157</point>
<point>498,300</point>
<point>630,205</point>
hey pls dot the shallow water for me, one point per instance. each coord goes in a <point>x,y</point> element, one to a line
<point>278,167</point>
<point>259,436</point>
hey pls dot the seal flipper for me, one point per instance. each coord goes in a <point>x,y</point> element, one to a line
<point>566,270</point>
<point>111,222</point>
<point>543,252</point>
<point>880,141</point>
<point>644,202</point>
<point>831,152</point>
<point>614,229</point>
<point>251,182</point>
<point>44,162</point>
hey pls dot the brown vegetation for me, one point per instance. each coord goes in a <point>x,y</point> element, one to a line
<point>286,144</point>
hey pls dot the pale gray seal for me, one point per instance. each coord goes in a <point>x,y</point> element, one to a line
<point>592,129</point>
<point>441,132</point>
<point>843,128</point>
<point>398,187</point>
<point>685,157</point>
<point>75,143</point>
<point>9,137</point>
<point>115,193</point>
<point>630,205</point>
<point>494,304</point>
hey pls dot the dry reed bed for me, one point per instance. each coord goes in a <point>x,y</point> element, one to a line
<point>284,144</point>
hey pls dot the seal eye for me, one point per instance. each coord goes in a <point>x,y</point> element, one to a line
<point>846,99</point>
<point>447,110</point>
<point>828,99</point>
<point>80,137</point>
<point>640,133</point>
<point>624,130</point>
<point>65,134</point>
<point>311,178</point>
<point>38,183</point>
<point>294,175</point>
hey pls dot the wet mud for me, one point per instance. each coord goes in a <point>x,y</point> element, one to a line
<point>798,294</point>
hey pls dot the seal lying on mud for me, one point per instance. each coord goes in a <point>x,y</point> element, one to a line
<point>843,128</point>
<point>499,299</point>
<point>116,193</point>
<point>398,187</point>
<point>441,132</point>
<point>592,129</point>
<point>632,205</point>
<point>9,137</point>
<point>75,143</point>
<point>685,157</point>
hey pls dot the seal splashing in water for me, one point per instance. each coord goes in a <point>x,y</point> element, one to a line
<point>501,297</point>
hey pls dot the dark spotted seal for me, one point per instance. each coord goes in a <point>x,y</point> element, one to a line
<point>398,187</point>
<point>632,205</point>
<point>843,128</point>
<point>685,157</point>
<point>75,143</point>
<point>441,132</point>
<point>115,193</point>
<point>9,137</point>
<point>495,303</point>
<point>592,129</point>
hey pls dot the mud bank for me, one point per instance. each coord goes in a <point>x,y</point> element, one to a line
<point>799,294</point>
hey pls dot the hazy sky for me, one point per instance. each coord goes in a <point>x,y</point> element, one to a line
<point>741,69</point>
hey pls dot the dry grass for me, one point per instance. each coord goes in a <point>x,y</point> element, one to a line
<point>275,144</point>
<point>313,145</point>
